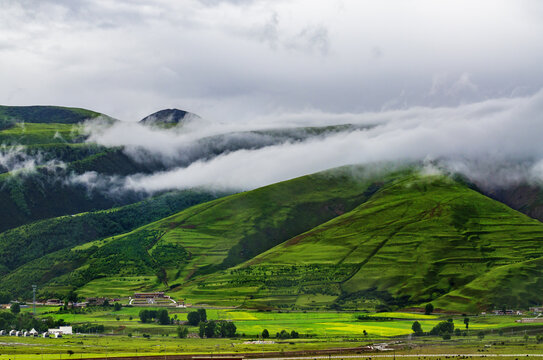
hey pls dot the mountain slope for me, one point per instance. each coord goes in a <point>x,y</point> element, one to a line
<point>28,242</point>
<point>215,235</point>
<point>168,118</point>
<point>415,240</point>
<point>44,114</point>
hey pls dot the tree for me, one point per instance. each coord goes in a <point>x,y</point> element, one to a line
<point>145,316</point>
<point>294,334</point>
<point>193,318</point>
<point>466,321</point>
<point>225,328</point>
<point>5,297</point>
<point>202,330</point>
<point>444,327</point>
<point>72,297</point>
<point>182,332</point>
<point>15,308</point>
<point>417,328</point>
<point>210,329</point>
<point>117,306</point>
<point>163,318</point>
<point>365,333</point>
<point>203,315</point>
<point>265,334</point>
<point>428,309</point>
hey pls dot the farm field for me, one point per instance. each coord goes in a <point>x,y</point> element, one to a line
<point>88,346</point>
<point>251,323</point>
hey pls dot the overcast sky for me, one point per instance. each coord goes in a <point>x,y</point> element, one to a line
<point>244,59</point>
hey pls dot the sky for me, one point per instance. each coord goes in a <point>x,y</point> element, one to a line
<point>241,60</point>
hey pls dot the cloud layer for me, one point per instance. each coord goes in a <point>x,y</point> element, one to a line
<point>494,142</point>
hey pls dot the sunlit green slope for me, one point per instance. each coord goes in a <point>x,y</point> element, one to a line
<point>215,235</point>
<point>415,240</point>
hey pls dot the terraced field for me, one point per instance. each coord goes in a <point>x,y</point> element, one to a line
<point>415,240</point>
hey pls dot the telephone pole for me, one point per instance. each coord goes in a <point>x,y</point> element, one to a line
<point>34,298</point>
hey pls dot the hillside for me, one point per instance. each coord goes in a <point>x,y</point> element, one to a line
<point>28,242</point>
<point>415,240</point>
<point>168,118</point>
<point>44,115</point>
<point>206,237</point>
<point>347,238</point>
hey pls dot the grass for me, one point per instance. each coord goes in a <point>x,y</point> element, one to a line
<point>37,133</point>
<point>214,235</point>
<point>319,330</point>
<point>417,239</point>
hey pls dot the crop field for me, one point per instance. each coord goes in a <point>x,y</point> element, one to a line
<point>85,346</point>
<point>308,324</point>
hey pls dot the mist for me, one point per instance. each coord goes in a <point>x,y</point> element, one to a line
<point>494,142</point>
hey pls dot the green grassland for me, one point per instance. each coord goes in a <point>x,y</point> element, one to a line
<point>415,240</point>
<point>35,133</point>
<point>345,239</point>
<point>38,239</point>
<point>45,114</point>
<point>318,330</point>
<point>213,235</point>
<point>312,324</point>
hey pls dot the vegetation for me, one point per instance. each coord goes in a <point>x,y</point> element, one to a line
<point>47,236</point>
<point>417,239</point>
<point>46,114</point>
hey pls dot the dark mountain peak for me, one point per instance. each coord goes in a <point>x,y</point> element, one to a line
<point>168,117</point>
<point>45,114</point>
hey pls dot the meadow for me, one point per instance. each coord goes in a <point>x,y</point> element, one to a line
<point>124,335</point>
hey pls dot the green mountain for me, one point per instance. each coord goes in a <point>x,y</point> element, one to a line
<point>35,241</point>
<point>45,114</point>
<point>168,118</point>
<point>416,240</point>
<point>354,237</point>
<point>347,238</point>
<point>207,237</point>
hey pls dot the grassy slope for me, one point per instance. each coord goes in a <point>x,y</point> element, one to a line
<point>46,114</point>
<point>414,241</point>
<point>52,134</point>
<point>30,244</point>
<point>217,234</point>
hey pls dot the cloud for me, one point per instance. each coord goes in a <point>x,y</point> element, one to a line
<point>494,142</point>
<point>18,161</point>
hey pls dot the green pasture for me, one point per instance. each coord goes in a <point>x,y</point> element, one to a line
<point>39,133</point>
<point>308,324</point>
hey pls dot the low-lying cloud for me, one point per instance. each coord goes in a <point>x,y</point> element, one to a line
<point>494,142</point>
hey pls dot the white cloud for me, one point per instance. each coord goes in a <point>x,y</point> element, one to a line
<point>493,142</point>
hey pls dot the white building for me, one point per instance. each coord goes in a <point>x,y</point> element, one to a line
<point>63,330</point>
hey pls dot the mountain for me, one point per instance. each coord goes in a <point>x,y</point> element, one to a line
<point>416,240</point>
<point>359,237</point>
<point>346,238</point>
<point>168,118</point>
<point>37,240</point>
<point>44,115</point>
<point>204,238</point>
